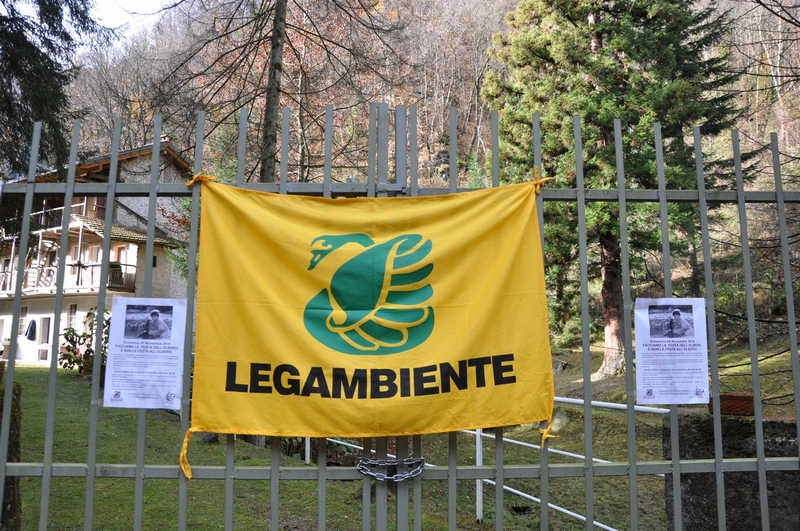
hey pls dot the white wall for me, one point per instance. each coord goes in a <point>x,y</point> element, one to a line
<point>39,309</point>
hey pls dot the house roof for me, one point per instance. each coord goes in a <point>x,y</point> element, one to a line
<point>124,234</point>
<point>96,168</point>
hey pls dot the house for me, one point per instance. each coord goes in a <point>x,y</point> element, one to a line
<point>125,277</point>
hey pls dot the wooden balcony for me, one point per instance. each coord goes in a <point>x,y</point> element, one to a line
<point>78,277</point>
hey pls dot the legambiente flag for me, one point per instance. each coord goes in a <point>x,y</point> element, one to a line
<point>369,317</point>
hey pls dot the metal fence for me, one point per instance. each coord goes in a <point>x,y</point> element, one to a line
<point>406,509</point>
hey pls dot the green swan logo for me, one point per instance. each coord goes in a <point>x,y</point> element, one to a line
<point>376,300</point>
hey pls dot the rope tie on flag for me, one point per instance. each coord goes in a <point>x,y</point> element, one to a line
<point>200,177</point>
<point>546,432</point>
<point>538,183</point>
<point>417,464</point>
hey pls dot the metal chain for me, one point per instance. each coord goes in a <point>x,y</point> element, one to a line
<point>417,464</point>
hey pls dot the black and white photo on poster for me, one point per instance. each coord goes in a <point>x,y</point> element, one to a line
<point>148,321</point>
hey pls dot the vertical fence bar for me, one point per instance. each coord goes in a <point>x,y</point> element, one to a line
<point>230,439</point>
<point>95,400</point>
<point>274,482</point>
<point>230,475</point>
<point>495,148</point>
<point>413,146</point>
<point>500,478</point>
<point>627,335</point>
<point>751,328</point>
<point>787,275</point>
<point>452,479</point>
<point>383,149</point>
<point>537,163</point>
<point>141,432</point>
<point>326,182</point>
<point>544,455</point>
<point>587,355</point>
<point>400,144</point>
<point>381,492</point>
<point>188,333</point>
<point>667,270</point>
<point>372,154</point>
<point>8,394</point>
<point>282,187</point>
<point>366,488</point>
<point>479,482</point>
<point>242,148</point>
<point>417,449</point>
<point>401,522</point>
<point>44,501</point>
<point>453,159</point>
<point>719,468</point>
<point>322,476</point>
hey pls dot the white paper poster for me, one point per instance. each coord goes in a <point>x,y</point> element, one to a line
<point>145,353</point>
<point>671,351</point>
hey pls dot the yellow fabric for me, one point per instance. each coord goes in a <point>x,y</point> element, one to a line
<point>460,301</point>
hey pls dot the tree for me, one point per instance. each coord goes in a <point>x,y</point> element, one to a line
<point>37,46</point>
<point>263,55</point>
<point>640,61</point>
<point>448,68</point>
<point>766,42</point>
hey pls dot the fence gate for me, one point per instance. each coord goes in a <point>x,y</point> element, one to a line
<point>494,478</point>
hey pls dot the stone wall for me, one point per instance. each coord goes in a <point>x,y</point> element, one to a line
<point>742,506</point>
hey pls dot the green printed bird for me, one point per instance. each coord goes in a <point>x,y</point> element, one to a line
<point>376,300</point>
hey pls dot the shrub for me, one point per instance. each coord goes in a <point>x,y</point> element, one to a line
<point>78,350</point>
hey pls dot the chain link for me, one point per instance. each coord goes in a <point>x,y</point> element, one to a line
<point>416,463</point>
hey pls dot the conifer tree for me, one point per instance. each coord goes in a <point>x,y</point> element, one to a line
<point>38,40</point>
<point>642,61</point>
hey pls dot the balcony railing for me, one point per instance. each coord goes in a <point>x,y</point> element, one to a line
<point>79,276</point>
<point>54,217</point>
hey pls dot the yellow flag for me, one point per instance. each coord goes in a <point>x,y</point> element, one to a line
<point>369,317</point>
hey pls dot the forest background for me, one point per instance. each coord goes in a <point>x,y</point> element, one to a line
<point>244,60</point>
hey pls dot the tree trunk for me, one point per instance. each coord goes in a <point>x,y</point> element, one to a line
<point>269,145</point>
<point>611,294</point>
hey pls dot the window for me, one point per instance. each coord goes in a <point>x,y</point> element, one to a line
<point>45,336</point>
<point>72,314</point>
<point>94,253</point>
<point>98,209</point>
<point>5,278</point>
<point>23,316</point>
<point>119,254</point>
<point>73,257</point>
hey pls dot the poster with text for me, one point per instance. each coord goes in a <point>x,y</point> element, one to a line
<point>145,353</point>
<point>671,351</point>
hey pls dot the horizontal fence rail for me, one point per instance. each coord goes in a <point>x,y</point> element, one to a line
<point>401,506</point>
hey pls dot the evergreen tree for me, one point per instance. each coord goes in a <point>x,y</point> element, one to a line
<point>38,39</point>
<point>643,62</point>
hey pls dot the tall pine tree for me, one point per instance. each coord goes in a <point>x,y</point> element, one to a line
<point>38,41</point>
<point>642,61</point>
